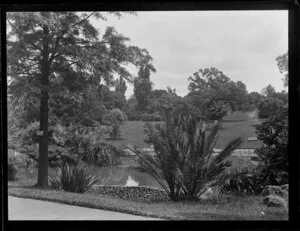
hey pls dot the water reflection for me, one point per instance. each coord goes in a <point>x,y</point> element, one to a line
<point>131,182</point>
<point>124,175</point>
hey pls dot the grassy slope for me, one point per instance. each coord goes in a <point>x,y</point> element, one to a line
<point>234,125</point>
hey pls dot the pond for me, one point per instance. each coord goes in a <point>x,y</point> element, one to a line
<point>127,174</point>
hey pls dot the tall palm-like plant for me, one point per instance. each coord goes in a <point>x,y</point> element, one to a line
<point>183,163</point>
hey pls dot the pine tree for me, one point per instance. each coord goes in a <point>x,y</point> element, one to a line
<point>143,86</point>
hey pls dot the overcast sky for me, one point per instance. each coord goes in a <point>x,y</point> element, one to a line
<point>242,44</point>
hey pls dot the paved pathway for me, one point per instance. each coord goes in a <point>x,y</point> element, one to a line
<point>28,209</point>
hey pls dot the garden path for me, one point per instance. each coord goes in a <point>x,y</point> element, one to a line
<point>28,209</point>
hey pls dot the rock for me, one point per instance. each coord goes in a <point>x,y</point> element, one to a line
<point>275,201</point>
<point>276,191</point>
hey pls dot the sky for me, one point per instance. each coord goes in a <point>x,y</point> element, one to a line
<point>242,44</point>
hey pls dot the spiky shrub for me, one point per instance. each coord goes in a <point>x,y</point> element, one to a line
<point>73,178</point>
<point>183,163</point>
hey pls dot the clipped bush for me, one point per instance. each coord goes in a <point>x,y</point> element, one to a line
<point>73,178</point>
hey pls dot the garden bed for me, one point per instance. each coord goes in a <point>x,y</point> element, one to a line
<point>135,193</point>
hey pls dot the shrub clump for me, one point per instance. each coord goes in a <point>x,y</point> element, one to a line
<point>102,154</point>
<point>240,182</point>
<point>115,118</point>
<point>66,143</point>
<point>73,178</point>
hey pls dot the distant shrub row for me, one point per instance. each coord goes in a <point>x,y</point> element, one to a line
<point>137,116</point>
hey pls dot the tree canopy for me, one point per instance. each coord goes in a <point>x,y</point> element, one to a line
<point>54,54</point>
<point>282,63</point>
<point>214,93</point>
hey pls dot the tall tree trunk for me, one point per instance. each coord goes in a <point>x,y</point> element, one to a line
<point>43,145</point>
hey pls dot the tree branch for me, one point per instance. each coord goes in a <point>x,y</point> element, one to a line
<point>12,25</point>
<point>81,21</point>
<point>37,47</point>
<point>69,64</point>
<point>53,56</point>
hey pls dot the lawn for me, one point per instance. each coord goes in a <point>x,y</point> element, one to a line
<point>234,125</point>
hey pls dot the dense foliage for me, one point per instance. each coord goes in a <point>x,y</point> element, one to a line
<point>214,93</point>
<point>12,167</point>
<point>269,106</point>
<point>274,153</point>
<point>53,59</point>
<point>69,145</point>
<point>183,164</point>
<point>240,182</point>
<point>102,154</point>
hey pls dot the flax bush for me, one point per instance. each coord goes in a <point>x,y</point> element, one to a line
<point>73,178</point>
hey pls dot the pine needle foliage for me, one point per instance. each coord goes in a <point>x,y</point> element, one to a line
<point>183,163</point>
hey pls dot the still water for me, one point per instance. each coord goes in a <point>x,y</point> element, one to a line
<point>125,174</point>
